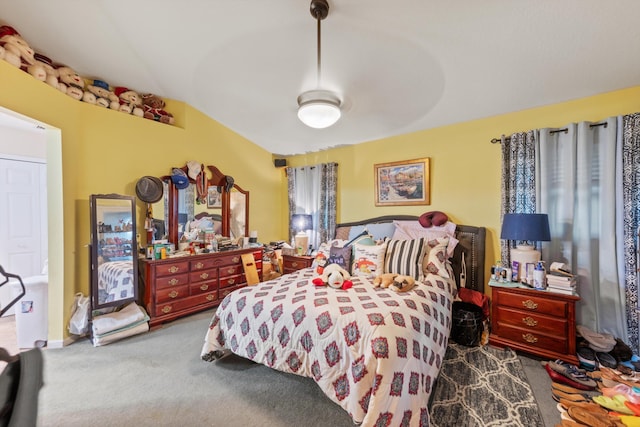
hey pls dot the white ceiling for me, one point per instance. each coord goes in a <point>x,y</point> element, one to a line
<point>399,66</point>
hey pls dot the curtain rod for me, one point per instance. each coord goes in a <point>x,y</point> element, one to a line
<point>565,130</point>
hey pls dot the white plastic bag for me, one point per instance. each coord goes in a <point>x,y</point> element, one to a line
<point>79,322</point>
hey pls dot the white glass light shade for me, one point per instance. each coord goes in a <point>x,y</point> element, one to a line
<point>318,108</point>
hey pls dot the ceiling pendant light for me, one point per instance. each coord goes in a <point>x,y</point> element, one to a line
<point>319,108</point>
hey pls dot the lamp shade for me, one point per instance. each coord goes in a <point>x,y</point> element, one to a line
<point>301,222</point>
<point>318,108</point>
<point>529,227</point>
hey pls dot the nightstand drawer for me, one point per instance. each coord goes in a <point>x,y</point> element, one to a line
<point>539,304</point>
<point>533,338</point>
<point>533,321</point>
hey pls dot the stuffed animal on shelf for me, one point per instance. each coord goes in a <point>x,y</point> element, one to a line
<point>73,83</point>
<point>17,51</point>
<point>104,96</point>
<point>334,276</point>
<point>51,73</point>
<point>130,101</point>
<point>153,107</point>
<point>402,283</point>
<point>384,280</point>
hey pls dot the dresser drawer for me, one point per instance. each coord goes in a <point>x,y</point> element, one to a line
<point>530,320</point>
<point>226,291</point>
<point>203,287</point>
<point>539,304</point>
<point>172,268</point>
<point>230,270</point>
<point>185,303</point>
<point>172,281</point>
<point>203,275</point>
<point>531,337</point>
<point>172,293</point>
<point>225,282</point>
<point>229,259</point>
<point>203,264</point>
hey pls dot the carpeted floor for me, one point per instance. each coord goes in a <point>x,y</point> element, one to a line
<point>158,379</point>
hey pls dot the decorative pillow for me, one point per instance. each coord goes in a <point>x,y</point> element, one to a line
<point>324,252</point>
<point>340,256</point>
<point>405,257</point>
<point>368,260</point>
<point>436,261</point>
<point>406,230</point>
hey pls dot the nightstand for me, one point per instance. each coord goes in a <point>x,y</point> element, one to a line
<point>291,263</point>
<point>538,322</point>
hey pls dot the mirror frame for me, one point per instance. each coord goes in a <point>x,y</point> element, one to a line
<point>94,249</point>
<point>217,179</point>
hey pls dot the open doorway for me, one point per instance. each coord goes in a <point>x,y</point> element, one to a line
<point>31,210</point>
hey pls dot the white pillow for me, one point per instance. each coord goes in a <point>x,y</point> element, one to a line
<point>437,261</point>
<point>368,260</point>
<point>407,230</point>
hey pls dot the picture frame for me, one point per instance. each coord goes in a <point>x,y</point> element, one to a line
<point>214,197</point>
<point>403,183</point>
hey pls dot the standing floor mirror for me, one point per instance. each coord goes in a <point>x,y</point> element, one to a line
<point>114,258</point>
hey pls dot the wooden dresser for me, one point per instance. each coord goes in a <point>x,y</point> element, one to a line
<point>175,287</point>
<point>538,322</point>
<point>291,263</point>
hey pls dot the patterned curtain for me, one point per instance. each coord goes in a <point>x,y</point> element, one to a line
<point>631,220</point>
<point>518,178</point>
<point>312,190</point>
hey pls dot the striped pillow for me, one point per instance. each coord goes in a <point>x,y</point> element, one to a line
<point>405,257</point>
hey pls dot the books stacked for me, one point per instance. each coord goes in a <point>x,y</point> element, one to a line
<point>561,281</point>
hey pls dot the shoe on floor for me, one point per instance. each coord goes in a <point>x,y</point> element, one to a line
<point>585,417</point>
<point>572,372</point>
<point>605,359</point>
<point>572,390</point>
<point>556,377</point>
<point>615,403</point>
<point>587,358</point>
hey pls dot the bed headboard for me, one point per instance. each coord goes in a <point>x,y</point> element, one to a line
<point>471,247</point>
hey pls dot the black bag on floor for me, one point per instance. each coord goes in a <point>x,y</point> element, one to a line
<point>467,326</point>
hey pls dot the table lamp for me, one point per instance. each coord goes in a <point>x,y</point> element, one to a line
<point>525,228</point>
<point>301,223</point>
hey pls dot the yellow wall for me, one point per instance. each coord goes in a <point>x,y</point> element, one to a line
<point>105,151</point>
<point>465,166</point>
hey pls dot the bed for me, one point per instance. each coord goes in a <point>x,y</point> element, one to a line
<point>375,352</point>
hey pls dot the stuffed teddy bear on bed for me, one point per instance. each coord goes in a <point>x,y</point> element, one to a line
<point>334,276</point>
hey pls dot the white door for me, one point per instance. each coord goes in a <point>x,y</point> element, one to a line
<point>23,226</point>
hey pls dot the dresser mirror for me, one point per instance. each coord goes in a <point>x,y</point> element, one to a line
<point>181,206</point>
<point>114,259</point>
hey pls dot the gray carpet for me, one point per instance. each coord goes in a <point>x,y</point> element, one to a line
<point>158,379</point>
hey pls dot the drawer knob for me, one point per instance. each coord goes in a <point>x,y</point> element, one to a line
<point>173,269</point>
<point>294,264</point>
<point>204,275</point>
<point>236,259</point>
<point>231,270</point>
<point>173,282</point>
<point>166,309</point>
<point>173,294</point>
<point>199,265</point>
<point>529,304</point>
<point>204,287</point>
<point>529,338</point>
<point>210,297</point>
<point>529,321</point>
<point>231,281</point>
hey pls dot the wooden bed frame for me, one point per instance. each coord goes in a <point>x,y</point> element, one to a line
<point>471,248</point>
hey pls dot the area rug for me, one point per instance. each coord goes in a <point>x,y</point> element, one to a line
<point>483,386</point>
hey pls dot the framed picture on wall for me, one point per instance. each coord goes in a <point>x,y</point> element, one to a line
<point>214,198</point>
<point>402,183</point>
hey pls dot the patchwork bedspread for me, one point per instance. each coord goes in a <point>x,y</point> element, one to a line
<point>374,352</point>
